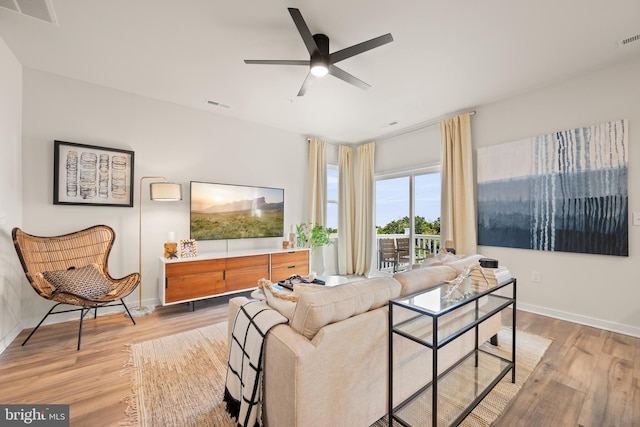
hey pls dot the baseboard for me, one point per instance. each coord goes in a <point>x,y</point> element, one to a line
<point>8,339</point>
<point>583,320</point>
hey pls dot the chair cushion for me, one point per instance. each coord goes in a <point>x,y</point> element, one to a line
<point>86,282</point>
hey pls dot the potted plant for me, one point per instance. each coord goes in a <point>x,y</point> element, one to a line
<point>312,235</point>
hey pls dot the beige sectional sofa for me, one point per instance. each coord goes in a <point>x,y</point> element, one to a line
<point>328,366</point>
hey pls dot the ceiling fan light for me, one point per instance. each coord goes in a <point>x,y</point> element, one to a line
<point>319,66</point>
<point>319,70</point>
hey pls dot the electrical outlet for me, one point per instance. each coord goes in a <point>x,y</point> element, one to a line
<point>535,276</point>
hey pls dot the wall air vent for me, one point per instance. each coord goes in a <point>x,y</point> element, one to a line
<point>629,40</point>
<point>39,9</point>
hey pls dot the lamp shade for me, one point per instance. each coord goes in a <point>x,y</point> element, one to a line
<point>165,191</point>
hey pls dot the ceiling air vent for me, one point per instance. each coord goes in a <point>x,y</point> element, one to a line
<point>629,40</point>
<point>39,9</point>
<point>217,104</point>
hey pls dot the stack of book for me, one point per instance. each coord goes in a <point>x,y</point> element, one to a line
<point>495,276</point>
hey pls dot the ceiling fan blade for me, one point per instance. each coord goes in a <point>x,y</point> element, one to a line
<point>304,31</point>
<point>360,48</point>
<point>276,62</point>
<point>307,82</point>
<point>343,75</point>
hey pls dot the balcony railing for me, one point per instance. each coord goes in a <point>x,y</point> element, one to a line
<point>424,244</point>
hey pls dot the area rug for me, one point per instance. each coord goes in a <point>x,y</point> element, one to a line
<point>178,380</point>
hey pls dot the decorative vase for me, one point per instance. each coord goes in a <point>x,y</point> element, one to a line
<point>317,260</point>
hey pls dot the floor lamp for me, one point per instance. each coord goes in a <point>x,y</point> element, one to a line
<point>161,192</point>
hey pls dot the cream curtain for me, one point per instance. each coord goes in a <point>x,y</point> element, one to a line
<point>364,210</point>
<point>346,211</point>
<point>317,190</point>
<point>458,213</point>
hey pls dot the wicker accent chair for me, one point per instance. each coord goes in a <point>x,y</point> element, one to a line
<point>72,269</point>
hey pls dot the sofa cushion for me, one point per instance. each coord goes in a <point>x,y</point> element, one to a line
<point>424,278</point>
<point>284,301</point>
<point>333,304</point>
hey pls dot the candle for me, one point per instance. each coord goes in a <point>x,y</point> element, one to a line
<point>172,237</point>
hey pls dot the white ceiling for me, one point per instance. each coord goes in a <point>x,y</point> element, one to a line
<point>447,56</point>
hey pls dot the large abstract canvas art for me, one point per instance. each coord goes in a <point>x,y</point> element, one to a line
<point>564,191</point>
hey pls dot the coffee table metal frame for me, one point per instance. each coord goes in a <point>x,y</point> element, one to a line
<point>428,314</point>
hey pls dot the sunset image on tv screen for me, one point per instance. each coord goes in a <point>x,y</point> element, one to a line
<point>224,211</point>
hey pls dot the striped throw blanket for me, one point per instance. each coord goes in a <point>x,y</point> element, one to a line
<point>243,389</point>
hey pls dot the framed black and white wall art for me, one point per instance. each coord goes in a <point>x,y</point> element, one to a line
<point>90,175</point>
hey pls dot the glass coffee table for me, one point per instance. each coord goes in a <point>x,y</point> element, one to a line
<point>333,280</point>
<point>433,319</point>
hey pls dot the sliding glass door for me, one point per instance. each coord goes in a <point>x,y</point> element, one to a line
<point>407,218</point>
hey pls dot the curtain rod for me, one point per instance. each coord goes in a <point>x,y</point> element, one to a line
<point>335,144</point>
<point>404,132</point>
<point>327,142</point>
<point>422,126</point>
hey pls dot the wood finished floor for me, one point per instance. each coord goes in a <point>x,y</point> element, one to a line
<point>588,377</point>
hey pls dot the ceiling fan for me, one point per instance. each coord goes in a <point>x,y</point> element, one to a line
<point>321,62</point>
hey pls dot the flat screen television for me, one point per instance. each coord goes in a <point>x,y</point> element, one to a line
<point>226,211</point>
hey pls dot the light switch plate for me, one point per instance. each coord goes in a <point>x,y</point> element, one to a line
<point>636,218</point>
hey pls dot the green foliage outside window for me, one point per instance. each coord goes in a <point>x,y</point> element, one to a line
<point>422,226</point>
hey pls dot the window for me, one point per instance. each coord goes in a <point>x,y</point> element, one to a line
<point>392,205</point>
<point>332,199</point>
<point>408,205</point>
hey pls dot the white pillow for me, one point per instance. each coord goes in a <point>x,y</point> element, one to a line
<point>285,301</point>
<point>439,259</point>
<point>460,264</point>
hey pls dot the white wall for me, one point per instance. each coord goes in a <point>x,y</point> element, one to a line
<point>591,289</point>
<point>180,143</point>
<point>11,275</point>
